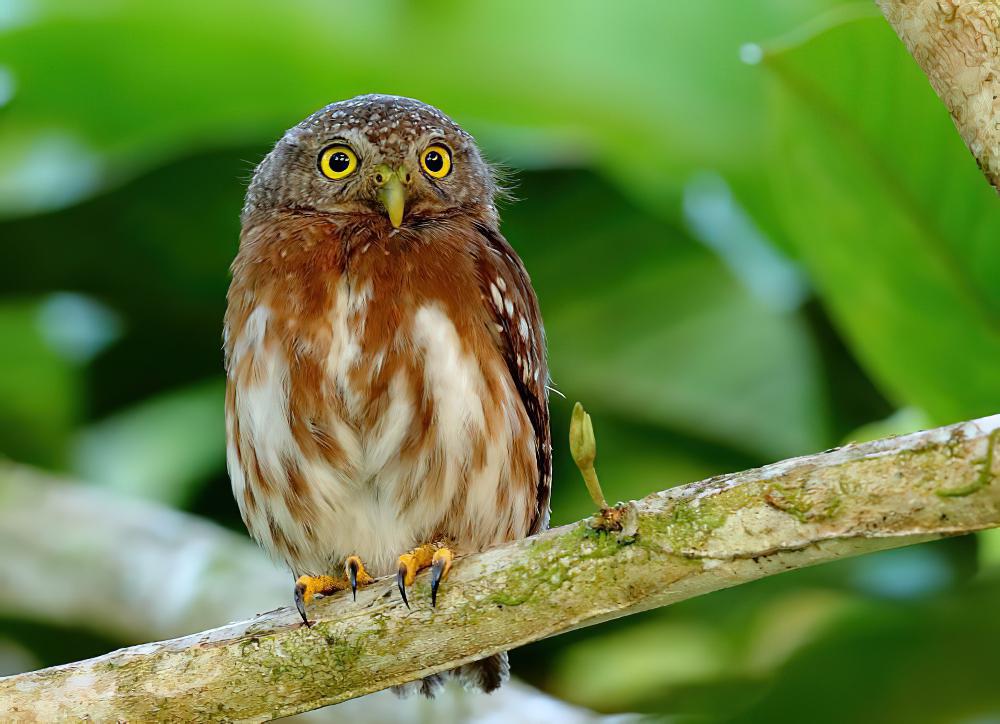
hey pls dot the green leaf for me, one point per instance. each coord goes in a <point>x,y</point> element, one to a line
<point>40,388</point>
<point>120,86</point>
<point>660,655</point>
<point>890,215</point>
<point>159,449</point>
<point>900,422</point>
<point>653,660</point>
<point>929,661</point>
<point>648,324</point>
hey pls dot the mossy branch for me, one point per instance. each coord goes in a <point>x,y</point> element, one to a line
<point>688,541</point>
<point>140,571</point>
<point>957,44</point>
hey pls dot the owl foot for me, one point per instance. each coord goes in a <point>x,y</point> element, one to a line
<point>356,574</point>
<point>308,587</point>
<point>436,556</point>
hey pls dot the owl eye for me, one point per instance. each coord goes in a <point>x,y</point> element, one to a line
<point>436,161</point>
<point>337,161</point>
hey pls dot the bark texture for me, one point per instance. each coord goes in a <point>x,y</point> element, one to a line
<point>957,44</point>
<point>676,544</point>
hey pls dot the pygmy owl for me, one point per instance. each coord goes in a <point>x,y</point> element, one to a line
<point>387,402</point>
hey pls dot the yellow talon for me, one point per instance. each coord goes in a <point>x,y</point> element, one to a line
<point>440,566</point>
<point>308,587</point>
<point>414,561</point>
<point>356,574</point>
<point>437,555</point>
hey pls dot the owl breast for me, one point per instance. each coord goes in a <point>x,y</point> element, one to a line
<point>371,426</point>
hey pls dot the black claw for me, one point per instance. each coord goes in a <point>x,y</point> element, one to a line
<point>352,576</point>
<point>401,582</point>
<point>436,570</point>
<point>300,591</point>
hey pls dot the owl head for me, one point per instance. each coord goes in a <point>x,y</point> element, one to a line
<point>394,157</point>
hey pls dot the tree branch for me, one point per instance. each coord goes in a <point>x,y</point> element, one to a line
<point>957,44</point>
<point>684,542</point>
<point>130,569</point>
<point>140,571</point>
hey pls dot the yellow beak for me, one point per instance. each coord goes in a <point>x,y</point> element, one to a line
<point>392,194</point>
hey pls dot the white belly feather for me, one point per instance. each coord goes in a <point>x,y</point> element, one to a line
<point>355,506</point>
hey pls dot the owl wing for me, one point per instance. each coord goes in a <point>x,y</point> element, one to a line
<point>520,336</point>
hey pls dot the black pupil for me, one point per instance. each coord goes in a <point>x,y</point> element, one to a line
<point>433,161</point>
<point>339,162</point>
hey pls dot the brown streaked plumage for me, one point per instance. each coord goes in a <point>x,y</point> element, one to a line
<point>387,382</point>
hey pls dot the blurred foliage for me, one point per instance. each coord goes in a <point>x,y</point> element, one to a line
<point>906,255</point>
<point>753,230</point>
<point>39,387</point>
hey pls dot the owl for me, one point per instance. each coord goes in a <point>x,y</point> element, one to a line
<point>387,384</point>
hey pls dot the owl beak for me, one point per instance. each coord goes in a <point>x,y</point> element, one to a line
<point>392,192</point>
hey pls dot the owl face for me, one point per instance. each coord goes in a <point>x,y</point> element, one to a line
<point>389,156</point>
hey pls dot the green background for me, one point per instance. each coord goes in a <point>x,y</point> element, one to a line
<point>752,227</point>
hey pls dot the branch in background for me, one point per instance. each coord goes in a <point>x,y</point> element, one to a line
<point>129,569</point>
<point>138,571</point>
<point>685,542</point>
<point>957,43</point>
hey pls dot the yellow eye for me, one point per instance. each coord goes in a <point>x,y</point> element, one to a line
<point>337,161</point>
<point>436,161</point>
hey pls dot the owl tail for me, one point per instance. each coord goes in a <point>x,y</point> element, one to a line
<point>486,675</point>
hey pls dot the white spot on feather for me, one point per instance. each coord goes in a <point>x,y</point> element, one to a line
<point>251,336</point>
<point>497,299</point>
<point>452,377</point>
<point>347,326</point>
